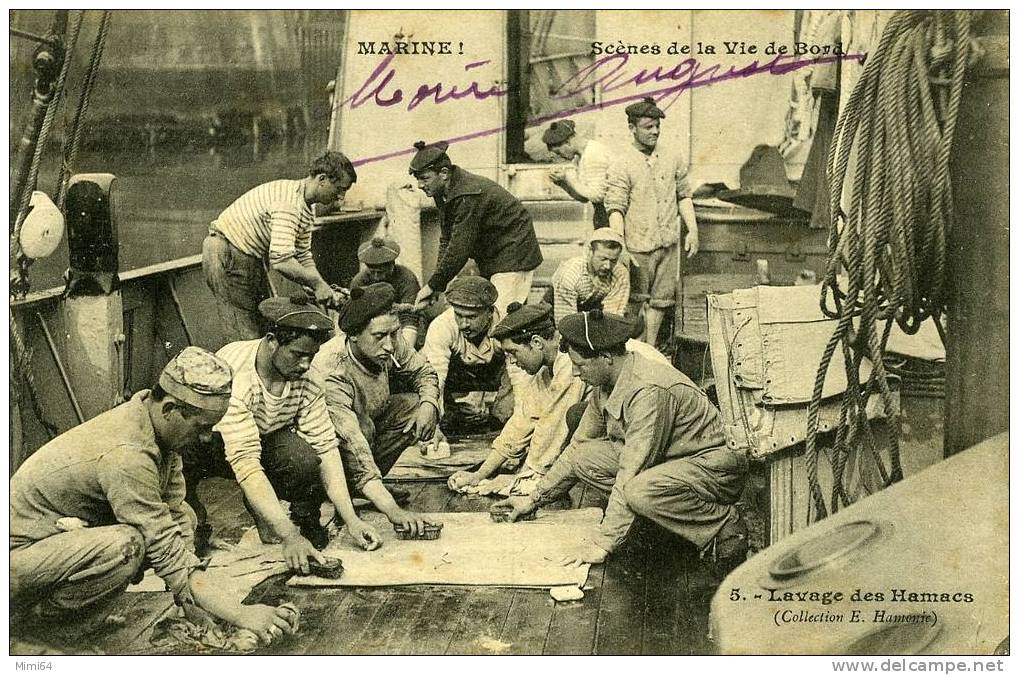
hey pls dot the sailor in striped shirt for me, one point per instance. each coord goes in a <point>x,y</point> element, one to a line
<point>270,224</point>
<point>278,438</point>
<point>594,279</point>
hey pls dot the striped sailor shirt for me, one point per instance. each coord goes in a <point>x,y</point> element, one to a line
<point>271,222</point>
<point>255,412</point>
<point>576,289</point>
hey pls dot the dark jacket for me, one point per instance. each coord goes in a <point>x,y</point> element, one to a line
<point>483,221</point>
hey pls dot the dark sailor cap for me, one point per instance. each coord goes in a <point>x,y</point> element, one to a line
<point>523,320</point>
<point>427,154</point>
<point>378,251</point>
<point>365,304</point>
<point>596,330</point>
<point>471,292</point>
<point>558,132</point>
<point>644,108</point>
<point>296,312</point>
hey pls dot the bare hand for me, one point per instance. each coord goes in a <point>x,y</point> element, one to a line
<point>423,298</point>
<point>409,520</point>
<point>340,296</point>
<point>461,480</point>
<point>268,623</point>
<point>692,243</point>
<point>323,293</point>
<point>520,506</point>
<point>586,553</point>
<point>423,423</point>
<point>365,535</point>
<point>297,550</point>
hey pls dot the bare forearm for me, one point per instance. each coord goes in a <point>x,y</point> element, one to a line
<point>616,221</point>
<point>572,192</point>
<point>492,463</point>
<point>262,498</point>
<point>298,273</point>
<point>335,482</point>
<point>206,592</point>
<point>377,493</point>
<point>689,217</point>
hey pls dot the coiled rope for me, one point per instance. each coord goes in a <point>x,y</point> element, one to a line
<point>892,147</point>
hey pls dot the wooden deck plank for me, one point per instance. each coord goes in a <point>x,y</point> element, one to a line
<point>354,612</point>
<point>387,631</point>
<point>528,621</point>
<point>573,626</point>
<point>432,630</point>
<point>481,623</point>
<point>702,579</point>
<point>666,590</point>
<point>317,623</point>
<point>672,626</point>
<point>621,612</point>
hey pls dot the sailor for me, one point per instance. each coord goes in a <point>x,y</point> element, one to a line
<point>593,280</point>
<point>98,504</point>
<point>379,259</point>
<point>651,439</point>
<point>552,402</point>
<point>537,430</point>
<point>587,183</point>
<point>270,225</point>
<point>648,199</point>
<point>276,438</point>
<point>479,220</point>
<point>460,347</point>
<point>356,370</point>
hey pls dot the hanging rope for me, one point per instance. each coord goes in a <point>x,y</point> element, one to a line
<point>73,140</point>
<point>20,268</point>
<point>21,375</point>
<point>892,147</point>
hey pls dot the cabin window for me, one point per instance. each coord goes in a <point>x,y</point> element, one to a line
<point>546,49</point>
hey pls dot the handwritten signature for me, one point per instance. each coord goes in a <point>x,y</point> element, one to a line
<point>377,89</point>
<point>609,74</point>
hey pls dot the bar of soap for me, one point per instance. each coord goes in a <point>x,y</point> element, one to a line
<point>566,593</point>
<point>331,569</point>
<point>500,514</point>
<point>429,532</point>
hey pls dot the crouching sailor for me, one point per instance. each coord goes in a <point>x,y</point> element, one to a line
<point>276,438</point>
<point>96,505</point>
<point>537,431</point>
<point>651,439</point>
<point>374,426</point>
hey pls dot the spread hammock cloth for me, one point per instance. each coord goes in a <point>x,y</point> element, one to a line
<point>472,550</point>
